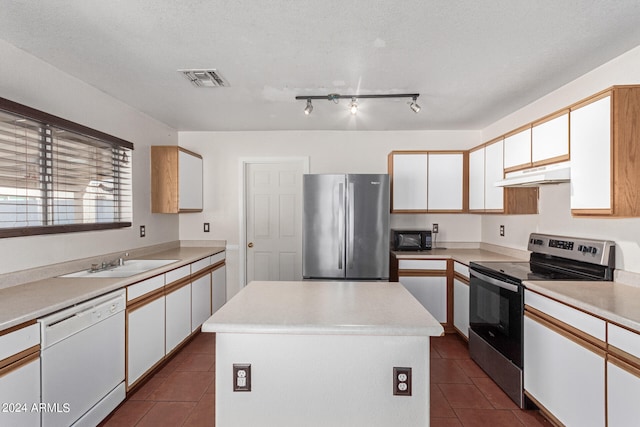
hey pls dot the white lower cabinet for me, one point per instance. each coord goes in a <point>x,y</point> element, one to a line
<point>200,300</point>
<point>431,291</point>
<point>218,288</point>
<point>623,389</point>
<point>145,337</point>
<point>19,391</point>
<point>564,374</point>
<point>461,307</point>
<point>178,316</point>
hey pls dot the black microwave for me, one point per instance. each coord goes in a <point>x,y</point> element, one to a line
<point>410,240</point>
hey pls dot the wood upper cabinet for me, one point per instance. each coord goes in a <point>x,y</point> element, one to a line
<point>517,149</point>
<point>550,139</point>
<point>605,154</point>
<point>428,181</point>
<point>176,180</point>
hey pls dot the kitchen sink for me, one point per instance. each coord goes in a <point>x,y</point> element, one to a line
<point>130,267</point>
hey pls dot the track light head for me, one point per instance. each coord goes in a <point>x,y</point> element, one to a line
<point>354,106</point>
<point>309,108</point>
<point>414,105</point>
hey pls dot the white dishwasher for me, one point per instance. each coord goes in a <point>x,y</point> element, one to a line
<point>82,361</point>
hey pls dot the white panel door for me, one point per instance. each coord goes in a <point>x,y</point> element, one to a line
<point>445,181</point>
<point>409,186</point>
<point>461,306</point>
<point>517,149</point>
<point>494,171</point>
<point>200,301</point>
<point>550,139</point>
<point>591,155</point>
<point>178,317</point>
<point>431,291</point>
<point>476,179</point>
<point>189,181</point>
<point>274,221</point>
<point>565,377</point>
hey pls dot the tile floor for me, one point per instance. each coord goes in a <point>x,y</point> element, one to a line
<point>182,392</point>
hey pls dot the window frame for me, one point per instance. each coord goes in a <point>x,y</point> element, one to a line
<point>58,122</point>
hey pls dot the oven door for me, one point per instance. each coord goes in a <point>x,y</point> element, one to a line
<point>496,313</point>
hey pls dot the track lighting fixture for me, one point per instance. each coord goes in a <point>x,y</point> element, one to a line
<point>353,106</point>
<point>414,105</point>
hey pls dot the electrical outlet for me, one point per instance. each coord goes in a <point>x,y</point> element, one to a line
<point>434,228</point>
<point>401,381</point>
<point>241,377</point>
<point>206,227</point>
<point>502,231</point>
<point>143,231</point>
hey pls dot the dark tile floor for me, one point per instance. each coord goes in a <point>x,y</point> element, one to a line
<point>182,392</point>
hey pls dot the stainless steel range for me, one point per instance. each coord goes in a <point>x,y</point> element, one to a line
<point>496,304</point>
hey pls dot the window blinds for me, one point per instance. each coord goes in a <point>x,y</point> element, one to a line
<point>54,179</point>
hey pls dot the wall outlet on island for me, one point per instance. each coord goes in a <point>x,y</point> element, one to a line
<point>401,381</point>
<point>434,228</point>
<point>143,231</point>
<point>502,231</point>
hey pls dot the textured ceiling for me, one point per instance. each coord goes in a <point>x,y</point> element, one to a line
<point>473,62</point>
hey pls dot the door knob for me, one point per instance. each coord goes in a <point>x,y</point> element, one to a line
<point>250,244</point>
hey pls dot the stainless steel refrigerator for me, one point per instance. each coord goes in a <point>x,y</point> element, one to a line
<point>346,227</point>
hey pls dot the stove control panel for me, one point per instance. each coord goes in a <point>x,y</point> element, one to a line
<point>589,250</point>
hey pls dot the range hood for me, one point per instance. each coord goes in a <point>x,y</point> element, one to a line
<point>549,174</point>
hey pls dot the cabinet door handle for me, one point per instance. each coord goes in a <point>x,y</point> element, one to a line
<point>250,244</point>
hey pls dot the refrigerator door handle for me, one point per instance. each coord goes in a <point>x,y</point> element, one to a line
<point>350,225</point>
<point>340,224</point>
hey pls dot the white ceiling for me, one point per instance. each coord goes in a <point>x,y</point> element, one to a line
<point>472,61</point>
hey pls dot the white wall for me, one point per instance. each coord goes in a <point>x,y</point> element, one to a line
<point>329,152</point>
<point>555,216</point>
<point>32,82</point>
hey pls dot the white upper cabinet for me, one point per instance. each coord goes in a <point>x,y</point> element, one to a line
<point>476,179</point>
<point>190,181</point>
<point>409,183</point>
<point>494,167</point>
<point>550,140</point>
<point>591,156</point>
<point>445,182</point>
<point>427,181</point>
<point>517,149</point>
<point>485,168</point>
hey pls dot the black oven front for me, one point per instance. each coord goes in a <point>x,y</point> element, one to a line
<point>496,307</point>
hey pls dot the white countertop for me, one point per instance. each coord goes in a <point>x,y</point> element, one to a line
<point>612,301</point>
<point>326,308</point>
<point>22,303</point>
<point>464,256</point>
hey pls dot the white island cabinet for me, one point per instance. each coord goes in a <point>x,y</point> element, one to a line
<point>322,354</point>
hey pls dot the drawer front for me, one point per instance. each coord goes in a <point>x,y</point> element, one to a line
<point>586,323</point>
<point>144,287</point>
<point>461,269</point>
<point>199,265</point>
<point>177,274</point>
<point>218,257</point>
<point>422,264</point>
<point>624,339</point>
<point>19,340</point>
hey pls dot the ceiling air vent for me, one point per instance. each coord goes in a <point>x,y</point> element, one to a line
<point>205,78</point>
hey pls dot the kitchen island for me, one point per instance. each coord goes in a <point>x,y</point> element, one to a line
<point>320,354</point>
